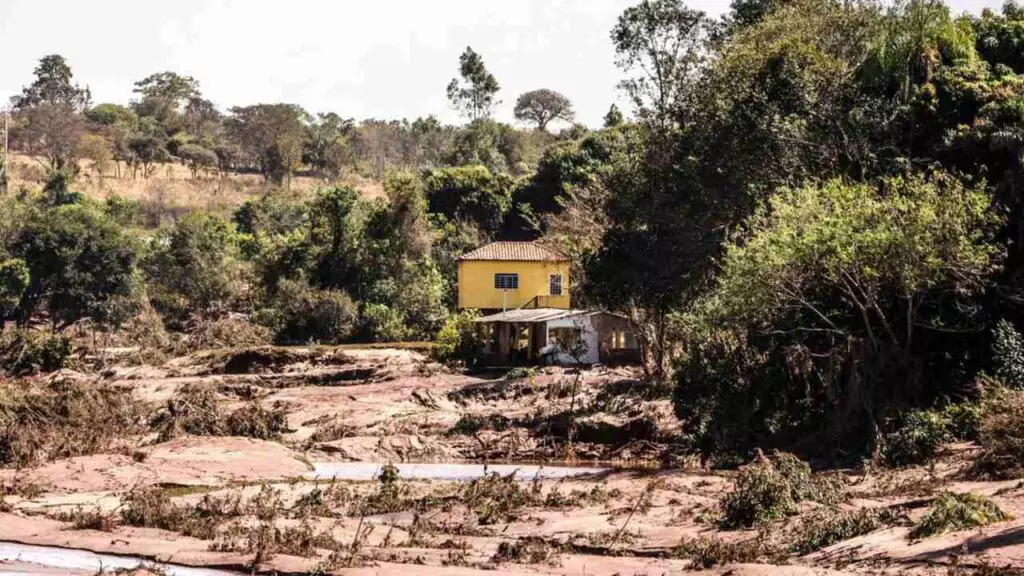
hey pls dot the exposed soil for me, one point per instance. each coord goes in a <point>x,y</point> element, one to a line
<point>380,406</point>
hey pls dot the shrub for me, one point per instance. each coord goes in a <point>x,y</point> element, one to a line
<point>918,439</point>
<point>192,267</point>
<point>227,333</point>
<point>771,488</point>
<point>457,340</point>
<point>380,323</point>
<point>951,511</point>
<point>827,527</point>
<point>526,550</point>
<point>1008,354</point>
<point>495,498</point>
<point>303,314</point>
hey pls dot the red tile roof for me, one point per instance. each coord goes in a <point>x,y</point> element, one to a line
<point>514,251</point>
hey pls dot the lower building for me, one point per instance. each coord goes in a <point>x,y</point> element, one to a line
<point>556,336</point>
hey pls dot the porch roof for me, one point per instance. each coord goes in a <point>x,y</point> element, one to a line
<point>528,315</point>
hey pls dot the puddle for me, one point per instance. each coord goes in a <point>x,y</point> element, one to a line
<point>83,560</point>
<point>411,471</point>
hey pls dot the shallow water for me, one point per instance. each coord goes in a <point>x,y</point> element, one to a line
<point>412,471</point>
<point>78,560</point>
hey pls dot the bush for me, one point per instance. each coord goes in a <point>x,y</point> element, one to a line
<point>379,323</point>
<point>457,340</point>
<point>917,440</point>
<point>192,267</point>
<point>771,488</point>
<point>255,421</point>
<point>302,314</point>
<point>1008,355</point>
<point>951,511</point>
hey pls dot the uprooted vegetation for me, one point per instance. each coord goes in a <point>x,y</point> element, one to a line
<point>952,511</point>
<point>58,418</point>
<point>194,410</point>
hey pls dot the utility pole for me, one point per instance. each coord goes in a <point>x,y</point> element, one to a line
<point>6,143</point>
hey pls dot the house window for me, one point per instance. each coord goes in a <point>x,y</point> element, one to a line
<point>506,281</point>
<point>555,288</point>
<point>567,338</point>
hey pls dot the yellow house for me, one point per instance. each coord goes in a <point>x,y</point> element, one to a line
<point>510,275</point>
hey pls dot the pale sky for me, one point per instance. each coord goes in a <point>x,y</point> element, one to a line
<point>359,58</point>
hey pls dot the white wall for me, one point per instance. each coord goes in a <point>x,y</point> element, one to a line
<point>589,336</point>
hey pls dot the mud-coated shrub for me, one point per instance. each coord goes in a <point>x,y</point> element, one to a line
<point>770,489</point>
<point>1001,435</point>
<point>28,352</point>
<point>951,511</point>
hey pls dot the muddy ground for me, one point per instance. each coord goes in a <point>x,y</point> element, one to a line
<point>238,503</point>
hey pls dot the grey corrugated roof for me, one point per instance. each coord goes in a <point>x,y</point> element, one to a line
<point>514,251</point>
<point>531,315</point>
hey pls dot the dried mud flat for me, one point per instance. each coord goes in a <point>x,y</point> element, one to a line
<point>231,503</point>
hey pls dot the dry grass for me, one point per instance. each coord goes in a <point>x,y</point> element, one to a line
<point>171,191</point>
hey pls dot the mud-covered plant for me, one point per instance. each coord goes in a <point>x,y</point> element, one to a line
<point>1001,436</point>
<point>92,519</point>
<point>707,552</point>
<point>494,498</point>
<point>952,511</point>
<point>527,550</point>
<point>192,410</point>
<point>255,421</point>
<point>770,489</point>
<point>63,418</point>
<point>829,526</point>
<point>390,496</point>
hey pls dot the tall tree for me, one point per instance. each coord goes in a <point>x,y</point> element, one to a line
<point>542,106</point>
<point>474,96</point>
<point>53,86</point>
<point>661,43</point>
<point>272,135</point>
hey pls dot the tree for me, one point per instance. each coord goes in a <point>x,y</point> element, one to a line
<point>192,267</point>
<point>614,117</point>
<point>663,43</point>
<point>198,158</point>
<point>469,193</point>
<point>542,106</point>
<point>80,264</point>
<point>53,86</point>
<point>146,152</point>
<point>51,131</point>
<point>474,95</point>
<point>164,96</point>
<point>328,144</point>
<point>97,150</point>
<point>272,135</point>
<point>837,311</point>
